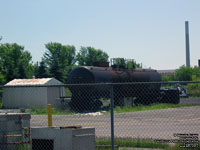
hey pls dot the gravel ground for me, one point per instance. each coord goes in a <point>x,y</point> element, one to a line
<point>162,123</point>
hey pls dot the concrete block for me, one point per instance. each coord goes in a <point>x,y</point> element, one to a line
<point>64,138</point>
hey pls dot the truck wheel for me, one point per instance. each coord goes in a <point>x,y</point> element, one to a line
<point>170,96</point>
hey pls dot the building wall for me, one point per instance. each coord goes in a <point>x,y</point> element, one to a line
<point>54,93</point>
<point>18,97</point>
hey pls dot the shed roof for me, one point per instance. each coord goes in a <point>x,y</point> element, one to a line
<point>38,81</point>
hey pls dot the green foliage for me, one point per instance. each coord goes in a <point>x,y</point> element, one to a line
<point>24,147</point>
<point>149,107</point>
<point>1,103</point>
<point>125,63</point>
<point>44,111</point>
<point>67,111</point>
<point>2,79</point>
<point>41,71</point>
<point>88,55</point>
<point>133,64</point>
<point>169,77</point>
<point>68,92</point>
<point>15,62</point>
<point>194,89</point>
<point>135,143</point>
<point>184,73</point>
<point>59,59</point>
<point>129,142</point>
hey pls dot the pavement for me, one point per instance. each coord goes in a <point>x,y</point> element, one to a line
<point>190,100</point>
<point>162,124</point>
<point>155,124</point>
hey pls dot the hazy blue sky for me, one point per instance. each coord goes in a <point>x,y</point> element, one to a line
<point>150,31</point>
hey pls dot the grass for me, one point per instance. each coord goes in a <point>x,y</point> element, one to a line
<point>149,107</point>
<point>193,90</point>
<point>24,147</point>
<point>126,143</point>
<point>129,142</point>
<point>44,111</point>
<point>57,111</point>
<point>1,104</point>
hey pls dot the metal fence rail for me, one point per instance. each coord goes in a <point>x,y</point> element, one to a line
<point>140,110</point>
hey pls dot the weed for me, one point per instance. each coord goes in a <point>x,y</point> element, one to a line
<point>44,111</point>
<point>127,143</point>
<point>149,107</point>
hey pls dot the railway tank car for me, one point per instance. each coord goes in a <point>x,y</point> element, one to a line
<point>86,96</point>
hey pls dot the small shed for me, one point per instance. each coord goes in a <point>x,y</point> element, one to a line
<point>26,93</point>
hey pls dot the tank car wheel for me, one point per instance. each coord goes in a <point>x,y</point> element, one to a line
<point>97,105</point>
<point>170,96</point>
<point>175,97</point>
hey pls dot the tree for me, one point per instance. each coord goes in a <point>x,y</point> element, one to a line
<point>133,64</point>
<point>196,73</point>
<point>125,63</point>
<point>15,62</point>
<point>169,77</point>
<point>88,55</point>
<point>41,70</point>
<point>59,59</point>
<point>2,79</point>
<point>184,73</point>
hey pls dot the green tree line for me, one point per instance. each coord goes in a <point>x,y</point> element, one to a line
<point>57,61</point>
<point>184,74</point>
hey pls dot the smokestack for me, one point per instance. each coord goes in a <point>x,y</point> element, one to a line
<point>187,44</point>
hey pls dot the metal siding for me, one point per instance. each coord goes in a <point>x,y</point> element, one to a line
<point>24,97</point>
<point>52,94</point>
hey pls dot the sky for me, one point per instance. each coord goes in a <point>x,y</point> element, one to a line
<point>150,31</point>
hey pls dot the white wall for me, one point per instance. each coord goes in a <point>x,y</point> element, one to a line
<point>53,94</point>
<point>17,97</point>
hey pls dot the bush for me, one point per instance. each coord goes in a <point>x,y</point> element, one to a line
<point>1,103</point>
<point>194,89</point>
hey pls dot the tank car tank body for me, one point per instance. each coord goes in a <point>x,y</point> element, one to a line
<point>87,96</point>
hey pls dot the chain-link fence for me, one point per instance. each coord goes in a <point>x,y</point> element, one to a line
<point>154,111</point>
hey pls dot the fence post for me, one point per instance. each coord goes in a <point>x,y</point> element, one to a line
<point>49,115</point>
<point>112,115</point>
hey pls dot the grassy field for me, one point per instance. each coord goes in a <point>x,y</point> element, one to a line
<point>127,143</point>
<point>130,144</point>
<point>149,107</point>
